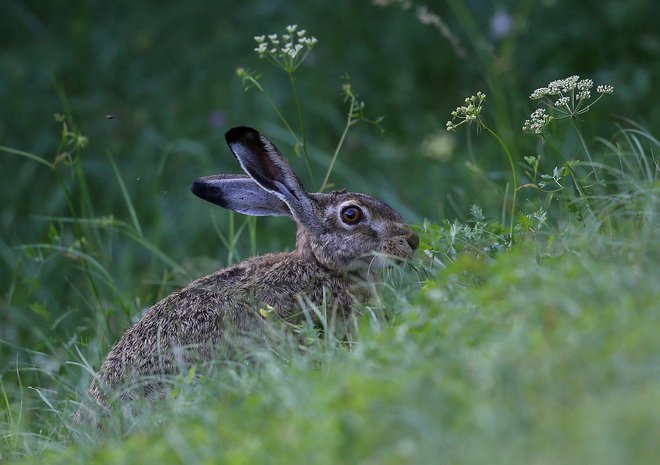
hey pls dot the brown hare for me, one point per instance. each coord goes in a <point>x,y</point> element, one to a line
<point>341,238</point>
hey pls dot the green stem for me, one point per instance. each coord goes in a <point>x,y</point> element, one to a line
<point>349,118</point>
<point>301,125</point>
<point>78,233</point>
<point>608,220</point>
<point>299,140</point>
<point>280,116</point>
<point>29,155</point>
<point>252,227</point>
<point>127,197</point>
<point>513,173</point>
<point>586,150</point>
<point>231,240</point>
<point>555,149</point>
<point>274,106</point>
<point>79,176</point>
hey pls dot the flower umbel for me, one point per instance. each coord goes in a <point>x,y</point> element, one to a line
<point>468,113</point>
<point>287,51</point>
<point>537,121</point>
<point>568,97</point>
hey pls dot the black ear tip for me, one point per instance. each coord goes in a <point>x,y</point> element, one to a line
<point>240,132</point>
<point>200,188</point>
<point>208,188</point>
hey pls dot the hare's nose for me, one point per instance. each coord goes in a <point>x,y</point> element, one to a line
<point>413,240</point>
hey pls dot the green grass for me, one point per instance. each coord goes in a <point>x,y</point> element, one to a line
<point>540,352</point>
<point>553,362</point>
<point>526,330</point>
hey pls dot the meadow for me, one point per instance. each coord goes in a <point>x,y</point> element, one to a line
<point>520,139</point>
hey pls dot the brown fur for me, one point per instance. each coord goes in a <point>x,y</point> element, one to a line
<point>228,300</point>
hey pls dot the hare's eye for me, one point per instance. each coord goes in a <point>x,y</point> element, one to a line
<point>351,214</point>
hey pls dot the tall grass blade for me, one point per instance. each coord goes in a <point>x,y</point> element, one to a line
<point>125,194</point>
<point>28,155</point>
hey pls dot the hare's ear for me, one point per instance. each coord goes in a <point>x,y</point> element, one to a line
<point>261,160</point>
<point>239,193</point>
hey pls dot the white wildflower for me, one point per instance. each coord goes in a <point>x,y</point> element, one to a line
<point>555,87</point>
<point>308,41</point>
<point>584,95</point>
<point>567,97</point>
<point>537,121</point>
<point>539,93</point>
<point>570,83</point>
<point>585,84</point>
<point>467,113</point>
<point>287,51</point>
<point>605,89</point>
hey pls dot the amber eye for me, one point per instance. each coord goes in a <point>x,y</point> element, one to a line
<point>351,214</point>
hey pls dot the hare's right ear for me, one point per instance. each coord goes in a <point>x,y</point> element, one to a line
<point>239,193</point>
<point>261,160</point>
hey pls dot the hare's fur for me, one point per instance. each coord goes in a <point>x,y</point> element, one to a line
<point>194,319</point>
<point>331,258</point>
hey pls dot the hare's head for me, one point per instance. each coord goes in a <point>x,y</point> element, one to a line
<point>343,231</point>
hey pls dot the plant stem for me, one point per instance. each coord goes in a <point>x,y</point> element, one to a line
<point>586,150</point>
<point>608,220</point>
<point>231,239</point>
<point>513,173</point>
<point>28,155</point>
<point>280,115</point>
<point>301,125</point>
<point>77,230</point>
<point>555,149</point>
<point>349,118</point>
<point>252,227</point>
<point>274,106</point>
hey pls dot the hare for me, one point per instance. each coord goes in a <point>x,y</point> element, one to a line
<point>341,238</point>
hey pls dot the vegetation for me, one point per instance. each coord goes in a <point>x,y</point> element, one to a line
<point>525,331</point>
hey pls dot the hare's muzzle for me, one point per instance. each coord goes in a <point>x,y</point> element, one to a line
<point>413,240</point>
<point>403,245</point>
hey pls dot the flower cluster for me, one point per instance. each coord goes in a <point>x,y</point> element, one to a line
<point>568,97</point>
<point>566,90</point>
<point>537,121</point>
<point>287,51</point>
<point>468,113</point>
<point>605,89</point>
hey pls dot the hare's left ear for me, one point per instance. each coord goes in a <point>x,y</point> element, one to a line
<point>261,160</point>
<point>239,193</point>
